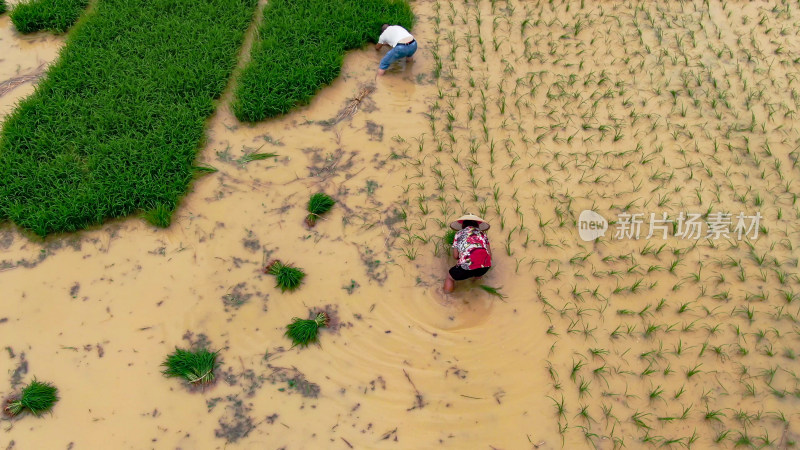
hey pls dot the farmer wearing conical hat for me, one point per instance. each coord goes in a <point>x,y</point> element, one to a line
<point>471,249</point>
<point>402,42</point>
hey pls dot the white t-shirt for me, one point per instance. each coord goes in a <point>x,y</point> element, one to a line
<point>393,34</point>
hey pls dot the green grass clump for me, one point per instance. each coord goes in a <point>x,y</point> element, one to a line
<point>114,127</point>
<point>51,15</point>
<point>318,204</point>
<point>3,6</point>
<point>287,277</point>
<point>301,46</point>
<point>37,397</point>
<point>196,367</point>
<point>304,331</point>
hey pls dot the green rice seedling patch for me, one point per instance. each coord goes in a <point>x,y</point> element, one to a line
<point>301,46</point>
<point>37,398</point>
<point>287,278</point>
<point>304,331</point>
<point>115,125</point>
<point>48,15</point>
<point>318,204</point>
<point>195,366</point>
<point>3,6</point>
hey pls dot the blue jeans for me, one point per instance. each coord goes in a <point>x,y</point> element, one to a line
<point>399,51</point>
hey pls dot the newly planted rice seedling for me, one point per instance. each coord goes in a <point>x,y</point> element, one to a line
<point>50,15</point>
<point>287,278</point>
<point>195,366</point>
<point>37,397</point>
<point>304,331</point>
<point>318,204</point>
<point>493,291</point>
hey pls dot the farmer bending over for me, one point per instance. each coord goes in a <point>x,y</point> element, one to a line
<point>402,43</point>
<point>471,248</point>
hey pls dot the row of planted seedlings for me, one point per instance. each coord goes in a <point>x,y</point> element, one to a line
<point>615,94</point>
<point>198,366</point>
<point>751,426</point>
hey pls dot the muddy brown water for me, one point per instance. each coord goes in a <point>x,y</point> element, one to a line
<point>640,339</point>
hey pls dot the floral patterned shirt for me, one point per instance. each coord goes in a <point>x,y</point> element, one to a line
<point>473,249</point>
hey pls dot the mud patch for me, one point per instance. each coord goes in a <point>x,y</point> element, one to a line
<point>20,371</point>
<point>295,381</point>
<point>375,131</point>
<point>237,297</point>
<point>197,342</point>
<point>325,164</point>
<point>236,423</point>
<point>375,267</point>
<point>6,239</point>
<point>251,242</point>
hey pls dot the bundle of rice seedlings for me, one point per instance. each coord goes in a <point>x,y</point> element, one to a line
<point>304,331</point>
<point>287,277</point>
<point>37,397</point>
<point>448,238</point>
<point>318,204</point>
<point>196,367</point>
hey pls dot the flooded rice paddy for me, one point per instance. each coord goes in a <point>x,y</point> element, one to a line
<point>526,113</point>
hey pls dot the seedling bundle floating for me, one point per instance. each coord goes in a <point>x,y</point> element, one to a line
<point>37,398</point>
<point>287,278</point>
<point>318,204</point>
<point>195,366</point>
<point>304,331</point>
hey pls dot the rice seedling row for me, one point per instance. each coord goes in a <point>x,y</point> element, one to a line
<point>627,108</point>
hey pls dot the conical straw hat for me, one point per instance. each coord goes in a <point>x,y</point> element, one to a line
<point>458,223</point>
